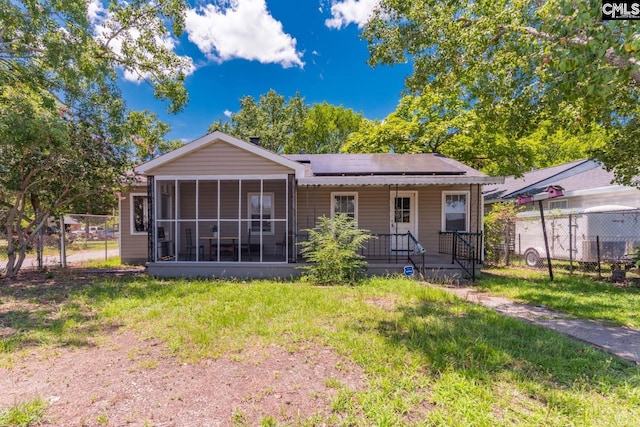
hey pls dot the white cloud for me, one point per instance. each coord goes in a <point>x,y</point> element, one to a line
<point>95,10</point>
<point>348,12</point>
<point>228,113</point>
<point>104,27</point>
<point>241,29</point>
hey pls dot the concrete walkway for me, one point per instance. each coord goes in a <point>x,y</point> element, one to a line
<point>620,341</point>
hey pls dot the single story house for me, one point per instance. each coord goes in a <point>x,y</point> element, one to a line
<point>220,206</point>
<point>585,184</point>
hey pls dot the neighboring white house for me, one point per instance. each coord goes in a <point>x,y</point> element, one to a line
<point>592,220</point>
<point>586,184</point>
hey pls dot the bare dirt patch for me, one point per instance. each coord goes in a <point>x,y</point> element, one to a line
<point>120,379</point>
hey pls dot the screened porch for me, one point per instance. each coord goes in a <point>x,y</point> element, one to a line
<point>221,219</point>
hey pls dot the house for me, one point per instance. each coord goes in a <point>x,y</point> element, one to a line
<point>219,206</point>
<point>587,218</point>
<point>585,185</point>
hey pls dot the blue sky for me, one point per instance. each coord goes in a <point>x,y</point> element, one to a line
<point>246,47</point>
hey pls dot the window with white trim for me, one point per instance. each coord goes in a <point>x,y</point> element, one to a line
<point>345,203</point>
<point>139,213</point>
<point>455,211</point>
<point>558,204</point>
<point>260,210</point>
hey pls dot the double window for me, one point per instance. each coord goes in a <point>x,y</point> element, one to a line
<point>139,214</point>
<point>455,211</point>
<point>261,212</point>
<point>344,203</point>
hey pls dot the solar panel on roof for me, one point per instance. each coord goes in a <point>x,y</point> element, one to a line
<point>378,164</point>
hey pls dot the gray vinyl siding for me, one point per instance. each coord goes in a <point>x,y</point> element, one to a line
<point>220,158</point>
<point>312,202</point>
<point>133,248</point>
<point>374,208</point>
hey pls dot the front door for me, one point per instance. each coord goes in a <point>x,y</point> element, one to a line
<point>404,218</point>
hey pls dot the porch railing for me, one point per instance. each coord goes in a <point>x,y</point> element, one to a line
<point>463,248</point>
<point>389,248</point>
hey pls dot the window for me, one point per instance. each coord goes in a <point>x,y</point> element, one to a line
<point>558,204</point>
<point>344,203</point>
<point>455,211</point>
<point>403,209</point>
<point>139,214</point>
<point>261,210</point>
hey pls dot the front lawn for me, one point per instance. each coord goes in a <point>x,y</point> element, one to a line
<point>428,358</point>
<point>576,295</point>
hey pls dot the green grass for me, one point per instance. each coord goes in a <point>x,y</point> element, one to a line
<point>578,296</point>
<point>23,414</point>
<point>428,357</point>
<point>110,262</point>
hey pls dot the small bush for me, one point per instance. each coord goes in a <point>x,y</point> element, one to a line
<point>499,231</point>
<point>332,251</point>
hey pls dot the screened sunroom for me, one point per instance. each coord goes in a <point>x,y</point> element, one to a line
<point>221,219</point>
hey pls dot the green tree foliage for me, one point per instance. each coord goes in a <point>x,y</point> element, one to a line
<point>63,138</point>
<point>325,128</point>
<point>48,160</point>
<point>147,134</point>
<point>272,118</point>
<point>290,126</point>
<point>439,122</point>
<point>520,64</point>
<point>332,251</point>
<point>499,230</point>
<point>66,49</point>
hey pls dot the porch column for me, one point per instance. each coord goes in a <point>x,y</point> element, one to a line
<point>151,232</point>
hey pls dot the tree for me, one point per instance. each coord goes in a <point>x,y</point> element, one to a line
<point>520,63</point>
<point>441,122</point>
<point>147,134</point>
<point>63,137</point>
<point>48,160</point>
<point>290,126</point>
<point>271,118</point>
<point>65,47</point>
<point>324,130</point>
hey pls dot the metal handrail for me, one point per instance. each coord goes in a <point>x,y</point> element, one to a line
<point>468,262</point>
<point>418,250</point>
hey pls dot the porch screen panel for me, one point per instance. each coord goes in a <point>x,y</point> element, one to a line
<point>261,212</point>
<point>165,214</point>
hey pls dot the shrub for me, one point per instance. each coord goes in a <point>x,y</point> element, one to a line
<point>499,231</point>
<point>332,251</point>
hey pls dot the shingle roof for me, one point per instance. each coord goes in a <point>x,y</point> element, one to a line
<point>573,176</point>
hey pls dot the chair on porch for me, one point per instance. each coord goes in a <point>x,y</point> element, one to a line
<point>280,244</point>
<point>191,246</point>
<point>246,247</point>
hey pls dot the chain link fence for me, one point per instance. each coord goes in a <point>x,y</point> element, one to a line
<point>86,238</point>
<point>603,244</point>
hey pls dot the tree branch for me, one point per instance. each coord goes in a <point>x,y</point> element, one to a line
<point>610,55</point>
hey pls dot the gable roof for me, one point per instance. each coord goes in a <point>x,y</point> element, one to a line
<point>345,169</point>
<point>213,138</point>
<point>574,176</point>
